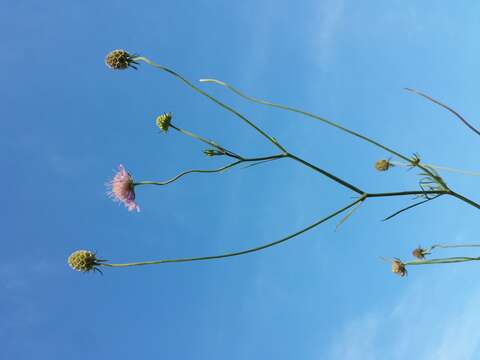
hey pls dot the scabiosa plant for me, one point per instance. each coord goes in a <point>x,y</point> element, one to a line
<point>122,185</point>
<point>122,189</point>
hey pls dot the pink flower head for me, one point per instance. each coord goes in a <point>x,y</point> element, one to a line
<point>122,189</point>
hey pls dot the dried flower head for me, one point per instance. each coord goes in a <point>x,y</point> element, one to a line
<point>163,121</point>
<point>122,189</point>
<point>419,253</point>
<point>399,268</point>
<point>84,261</point>
<point>120,60</point>
<point>382,165</point>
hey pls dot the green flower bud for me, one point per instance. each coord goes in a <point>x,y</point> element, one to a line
<point>163,121</point>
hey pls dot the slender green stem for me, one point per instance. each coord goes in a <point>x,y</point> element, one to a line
<point>161,183</point>
<point>187,172</point>
<point>411,207</point>
<point>447,246</point>
<point>403,193</point>
<point>442,261</point>
<point>463,198</point>
<point>238,253</point>
<point>327,174</point>
<point>218,102</point>
<point>462,119</point>
<point>427,192</point>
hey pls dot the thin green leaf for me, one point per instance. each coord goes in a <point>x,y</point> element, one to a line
<point>345,218</point>
<point>410,207</point>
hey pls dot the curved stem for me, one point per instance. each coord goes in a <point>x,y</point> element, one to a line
<point>161,183</point>
<point>185,173</point>
<point>218,102</point>
<point>238,253</point>
<point>410,207</point>
<point>445,107</point>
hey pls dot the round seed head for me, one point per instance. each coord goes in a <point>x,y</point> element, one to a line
<point>163,121</point>
<point>398,268</point>
<point>83,261</point>
<point>119,60</point>
<point>382,165</point>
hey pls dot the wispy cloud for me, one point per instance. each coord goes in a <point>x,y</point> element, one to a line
<point>325,26</point>
<point>460,338</point>
<point>360,335</point>
<point>423,321</point>
<point>18,279</point>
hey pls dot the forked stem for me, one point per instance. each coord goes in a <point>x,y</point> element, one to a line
<point>218,102</point>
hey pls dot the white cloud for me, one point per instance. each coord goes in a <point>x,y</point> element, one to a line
<point>360,335</point>
<point>429,321</point>
<point>461,338</point>
<point>325,26</point>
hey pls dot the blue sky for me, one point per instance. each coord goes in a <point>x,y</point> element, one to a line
<point>68,121</point>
